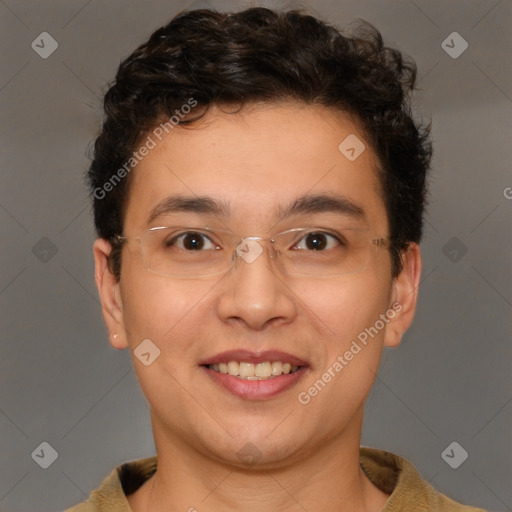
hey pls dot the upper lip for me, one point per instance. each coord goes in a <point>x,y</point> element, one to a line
<point>253,357</point>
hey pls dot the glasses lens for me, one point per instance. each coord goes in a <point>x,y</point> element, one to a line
<point>318,252</point>
<point>179,251</point>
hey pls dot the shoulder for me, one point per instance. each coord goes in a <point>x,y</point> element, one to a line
<point>122,481</point>
<point>408,491</point>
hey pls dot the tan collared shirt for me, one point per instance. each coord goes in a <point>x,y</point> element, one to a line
<point>390,473</point>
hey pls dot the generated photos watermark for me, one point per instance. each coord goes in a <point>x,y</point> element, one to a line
<point>357,345</point>
<point>150,143</point>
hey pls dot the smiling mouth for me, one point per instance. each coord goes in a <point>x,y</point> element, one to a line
<point>266,370</point>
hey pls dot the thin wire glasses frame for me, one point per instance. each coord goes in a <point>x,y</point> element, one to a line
<point>352,251</point>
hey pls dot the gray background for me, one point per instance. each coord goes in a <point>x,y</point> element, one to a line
<point>61,383</point>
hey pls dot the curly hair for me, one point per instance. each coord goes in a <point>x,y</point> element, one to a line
<point>264,55</point>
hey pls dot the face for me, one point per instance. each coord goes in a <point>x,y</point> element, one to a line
<point>257,163</point>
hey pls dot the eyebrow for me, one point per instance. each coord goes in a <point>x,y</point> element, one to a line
<point>318,203</point>
<point>201,204</point>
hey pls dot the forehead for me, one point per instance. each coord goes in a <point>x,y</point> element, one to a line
<point>255,164</point>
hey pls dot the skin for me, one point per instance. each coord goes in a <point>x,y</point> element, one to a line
<point>256,160</point>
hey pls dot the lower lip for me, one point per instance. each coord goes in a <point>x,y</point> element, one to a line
<point>255,389</point>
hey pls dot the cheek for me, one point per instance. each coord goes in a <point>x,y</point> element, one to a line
<point>172,314</point>
<point>158,307</point>
<point>348,312</point>
<point>343,307</point>
<point>342,381</point>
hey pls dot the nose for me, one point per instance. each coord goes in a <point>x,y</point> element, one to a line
<point>254,292</point>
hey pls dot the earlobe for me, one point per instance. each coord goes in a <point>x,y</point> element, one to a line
<point>110,296</point>
<point>405,296</point>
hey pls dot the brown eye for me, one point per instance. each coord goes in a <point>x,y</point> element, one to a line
<point>317,242</point>
<point>191,241</point>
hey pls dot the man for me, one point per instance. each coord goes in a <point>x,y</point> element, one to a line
<point>259,186</point>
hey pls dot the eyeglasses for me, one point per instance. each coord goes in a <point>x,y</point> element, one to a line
<point>186,252</point>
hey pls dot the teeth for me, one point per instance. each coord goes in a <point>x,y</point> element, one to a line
<point>277,368</point>
<point>245,370</point>
<point>233,368</point>
<point>263,370</point>
<point>250,371</point>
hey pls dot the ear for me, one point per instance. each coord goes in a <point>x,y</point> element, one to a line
<point>110,296</point>
<point>405,296</point>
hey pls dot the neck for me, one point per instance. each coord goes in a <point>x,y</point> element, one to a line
<point>328,477</point>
